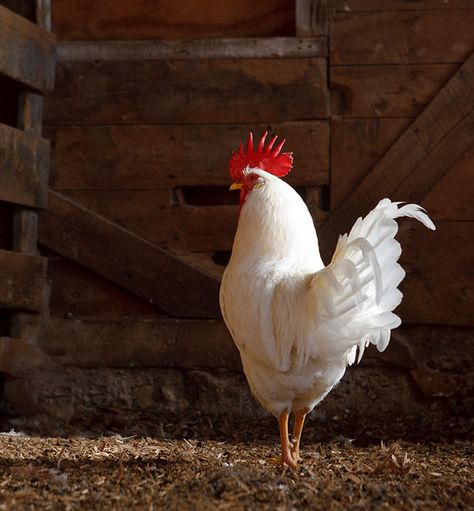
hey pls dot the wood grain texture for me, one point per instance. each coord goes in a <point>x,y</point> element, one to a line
<point>78,291</point>
<point>356,146</point>
<point>183,228</point>
<point>187,91</point>
<point>24,160</point>
<point>438,293</point>
<point>161,157</point>
<point>386,91</point>
<point>146,342</point>
<point>23,278</point>
<point>369,139</point>
<point>261,48</point>
<point>131,262</point>
<point>26,51</point>
<point>400,5</point>
<point>418,160</point>
<point>108,19</point>
<point>312,18</point>
<point>410,37</point>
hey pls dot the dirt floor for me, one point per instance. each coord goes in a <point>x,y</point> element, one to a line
<point>230,467</point>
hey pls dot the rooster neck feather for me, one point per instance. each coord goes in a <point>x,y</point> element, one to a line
<point>275,227</point>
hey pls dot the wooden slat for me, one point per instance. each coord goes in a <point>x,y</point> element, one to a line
<point>161,157</point>
<point>369,139</point>
<point>146,342</point>
<point>146,213</point>
<point>26,51</point>
<point>109,19</point>
<point>312,18</point>
<point>282,47</point>
<point>23,278</point>
<point>400,5</point>
<point>24,161</point>
<point>129,261</point>
<point>450,199</point>
<point>431,145</point>
<point>386,91</point>
<point>410,37</point>
<point>439,287</point>
<point>78,291</point>
<point>188,91</point>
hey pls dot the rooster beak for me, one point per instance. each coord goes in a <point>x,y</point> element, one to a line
<point>235,186</point>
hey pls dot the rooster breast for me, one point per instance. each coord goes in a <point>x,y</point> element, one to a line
<point>265,304</point>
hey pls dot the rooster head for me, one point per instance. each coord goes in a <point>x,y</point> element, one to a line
<point>265,158</point>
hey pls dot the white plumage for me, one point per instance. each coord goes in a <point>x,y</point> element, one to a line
<point>296,323</point>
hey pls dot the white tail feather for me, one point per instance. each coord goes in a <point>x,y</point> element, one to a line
<point>356,294</point>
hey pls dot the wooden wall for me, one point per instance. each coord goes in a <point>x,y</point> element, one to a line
<point>142,131</point>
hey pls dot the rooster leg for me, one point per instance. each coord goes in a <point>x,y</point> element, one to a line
<point>286,458</point>
<point>300,416</point>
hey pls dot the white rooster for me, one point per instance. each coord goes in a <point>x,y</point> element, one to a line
<point>297,323</point>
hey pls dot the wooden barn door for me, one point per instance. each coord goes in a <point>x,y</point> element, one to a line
<point>139,220</point>
<point>27,63</point>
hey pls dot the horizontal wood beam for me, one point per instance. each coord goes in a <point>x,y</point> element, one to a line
<point>27,52</point>
<point>139,341</point>
<point>126,259</point>
<point>405,37</point>
<point>144,157</point>
<point>24,166</point>
<point>399,5</point>
<point>198,91</point>
<point>244,48</point>
<point>23,280</point>
<point>422,155</point>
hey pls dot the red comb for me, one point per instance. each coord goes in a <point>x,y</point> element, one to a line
<point>265,158</point>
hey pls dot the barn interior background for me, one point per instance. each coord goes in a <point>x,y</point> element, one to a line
<point>116,222</point>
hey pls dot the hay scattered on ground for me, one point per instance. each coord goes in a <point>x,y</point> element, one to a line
<point>116,472</point>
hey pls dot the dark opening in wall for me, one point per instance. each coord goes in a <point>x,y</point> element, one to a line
<point>9,98</point>
<point>204,196</point>
<point>25,8</point>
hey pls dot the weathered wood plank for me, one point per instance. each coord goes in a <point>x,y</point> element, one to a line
<point>184,227</point>
<point>108,19</point>
<point>78,291</point>
<point>410,37</point>
<point>23,278</point>
<point>400,5</point>
<point>452,197</point>
<point>438,293</point>
<point>24,161</point>
<point>160,157</point>
<point>26,51</point>
<point>386,91</point>
<point>312,18</point>
<point>428,140</point>
<point>188,91</point>
<point>356,146</point>
<point>146,342</point>
<point>131,262</point>
<point>281,47</point>
<point>369,139</point>
<point>146,213</point>
<point>203,229</point>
